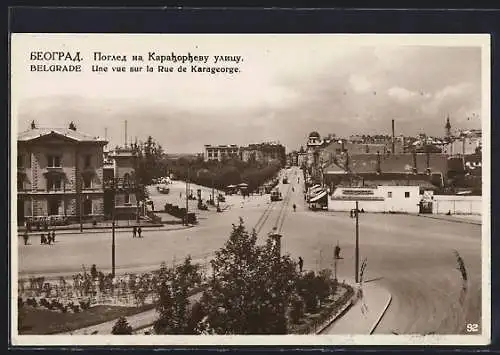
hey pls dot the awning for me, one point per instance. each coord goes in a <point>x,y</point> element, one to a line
<point>318,197</point>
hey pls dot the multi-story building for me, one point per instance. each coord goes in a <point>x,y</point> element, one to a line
<point>59,173</point>
<point>121,183</point>
<point>264,153</point>
<point>220,152</point>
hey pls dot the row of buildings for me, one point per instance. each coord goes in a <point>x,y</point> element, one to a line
<point>262,153</point>
<point>452,164</point>
<point>68,175</point>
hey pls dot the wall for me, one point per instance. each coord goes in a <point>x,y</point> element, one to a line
<point>397,203</point>
<point>457,204</point>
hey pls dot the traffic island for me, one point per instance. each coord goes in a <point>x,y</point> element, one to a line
<point>334,306</point>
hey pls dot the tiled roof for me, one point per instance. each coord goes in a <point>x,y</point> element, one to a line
<point>35,133</point>
<point>398,163</point>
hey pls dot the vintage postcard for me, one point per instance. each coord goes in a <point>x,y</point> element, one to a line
<point>250,189</point>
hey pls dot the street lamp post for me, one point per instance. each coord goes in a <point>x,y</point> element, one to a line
<point>357,245</point>
<point>113,264</point>
<point>187,197</point>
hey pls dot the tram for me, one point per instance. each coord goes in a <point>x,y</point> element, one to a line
<point>276,195</point>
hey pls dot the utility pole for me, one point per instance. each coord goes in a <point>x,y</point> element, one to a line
<point>357,245</point>
<point>113,229</point>
<point>187,196</point>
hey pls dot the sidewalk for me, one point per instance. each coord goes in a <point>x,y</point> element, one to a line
<point>469,219</point>
<point>364,316</point>
<point>108,229</point>
<point>138,321</point>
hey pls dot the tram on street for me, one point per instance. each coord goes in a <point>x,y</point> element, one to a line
<point>276,195</point>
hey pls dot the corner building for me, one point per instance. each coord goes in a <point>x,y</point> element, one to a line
<point>59,174</point>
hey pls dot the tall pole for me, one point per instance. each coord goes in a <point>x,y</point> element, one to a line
<point>357,244</point>
<point>187,196</point>
<point>113,230</point>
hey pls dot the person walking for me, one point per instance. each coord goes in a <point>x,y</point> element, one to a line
<point>301,263</point>
<point>53,235</point>
<point>139,232</point>
<point>294,207</point>
<point>42,239</point>
<point>134,232</point>
<point>25,237</point>
<point>337,252</point>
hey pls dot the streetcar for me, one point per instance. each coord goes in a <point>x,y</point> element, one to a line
<point>276,195</point>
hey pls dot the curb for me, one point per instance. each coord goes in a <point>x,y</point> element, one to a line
<point>121,229</point>
<point>457,220</point>
<point>377,322</point>
<point>335,316</point>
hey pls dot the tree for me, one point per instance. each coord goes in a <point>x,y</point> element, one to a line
<point>251,286</point>
<point>121,327</point>
<point>175,316</point>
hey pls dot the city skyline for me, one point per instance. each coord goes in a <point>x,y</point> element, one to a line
<point>327,86</point>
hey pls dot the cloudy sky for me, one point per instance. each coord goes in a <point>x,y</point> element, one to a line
<point>288,86</point>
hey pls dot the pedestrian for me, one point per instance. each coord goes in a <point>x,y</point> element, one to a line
<point>337,252</point>
<point>25,237</point>
<point>53,235</point>
<point>49,238</point>
<point>139,231</point>
<point>42,238</point>
<point>301,263</point>
<point>180,194</point>
<point>134,232</point>
<point>351,213</point>
<point>294,207</point>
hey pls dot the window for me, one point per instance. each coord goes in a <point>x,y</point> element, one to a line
<point>407,194</point>
<point>87,161</point>
<point>389,194</point>
<point>54,183</point>
<point>20,184</point>
<point>53,161</point>
<point>87,182</point>
<point>127,198</point>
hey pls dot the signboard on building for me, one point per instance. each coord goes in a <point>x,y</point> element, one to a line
<point>357,194</point>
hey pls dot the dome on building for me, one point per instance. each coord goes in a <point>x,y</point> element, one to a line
<point>314,134</point>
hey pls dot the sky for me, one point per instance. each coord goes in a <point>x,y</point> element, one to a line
<point>288,86</point>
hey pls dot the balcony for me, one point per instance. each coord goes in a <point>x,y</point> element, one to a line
<point>119,184</point>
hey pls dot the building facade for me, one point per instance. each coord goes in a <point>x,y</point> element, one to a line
<point>264,153</point>
<point>120,183</point>
<point>396,199</point>
<point>220,152</point>
<point>59,174</point>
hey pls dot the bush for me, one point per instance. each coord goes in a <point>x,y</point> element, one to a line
<point>121,327</point>
<point>85,305</point>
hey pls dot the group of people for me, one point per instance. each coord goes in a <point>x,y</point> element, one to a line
<point>137,232</point>
<point>44,239</point>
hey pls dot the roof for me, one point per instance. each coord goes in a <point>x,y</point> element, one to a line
<point>76,136</point>
<point>398,163</point>
<point>334,169</point>
<point>314,134</point>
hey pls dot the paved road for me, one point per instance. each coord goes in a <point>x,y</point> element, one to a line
<point>410,256</point>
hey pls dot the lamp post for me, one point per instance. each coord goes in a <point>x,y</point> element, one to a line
<point>113,258</point>
<point>357,245</point>
<point>187,197</point>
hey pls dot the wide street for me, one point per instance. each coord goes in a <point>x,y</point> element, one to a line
<point>410,256</point>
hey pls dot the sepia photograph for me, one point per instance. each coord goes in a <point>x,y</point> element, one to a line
<point>250,189</point>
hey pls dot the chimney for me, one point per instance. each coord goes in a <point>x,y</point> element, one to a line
<point>379,168</point>
<point>393,137</point>
<point>125,133</point>
<point>415,170</point>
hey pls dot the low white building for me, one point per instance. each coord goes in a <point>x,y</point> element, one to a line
<point>400,199</point>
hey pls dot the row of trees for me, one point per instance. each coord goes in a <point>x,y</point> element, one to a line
<point>220,175</point>
<point>252,289</point>
<point>152,162</point>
